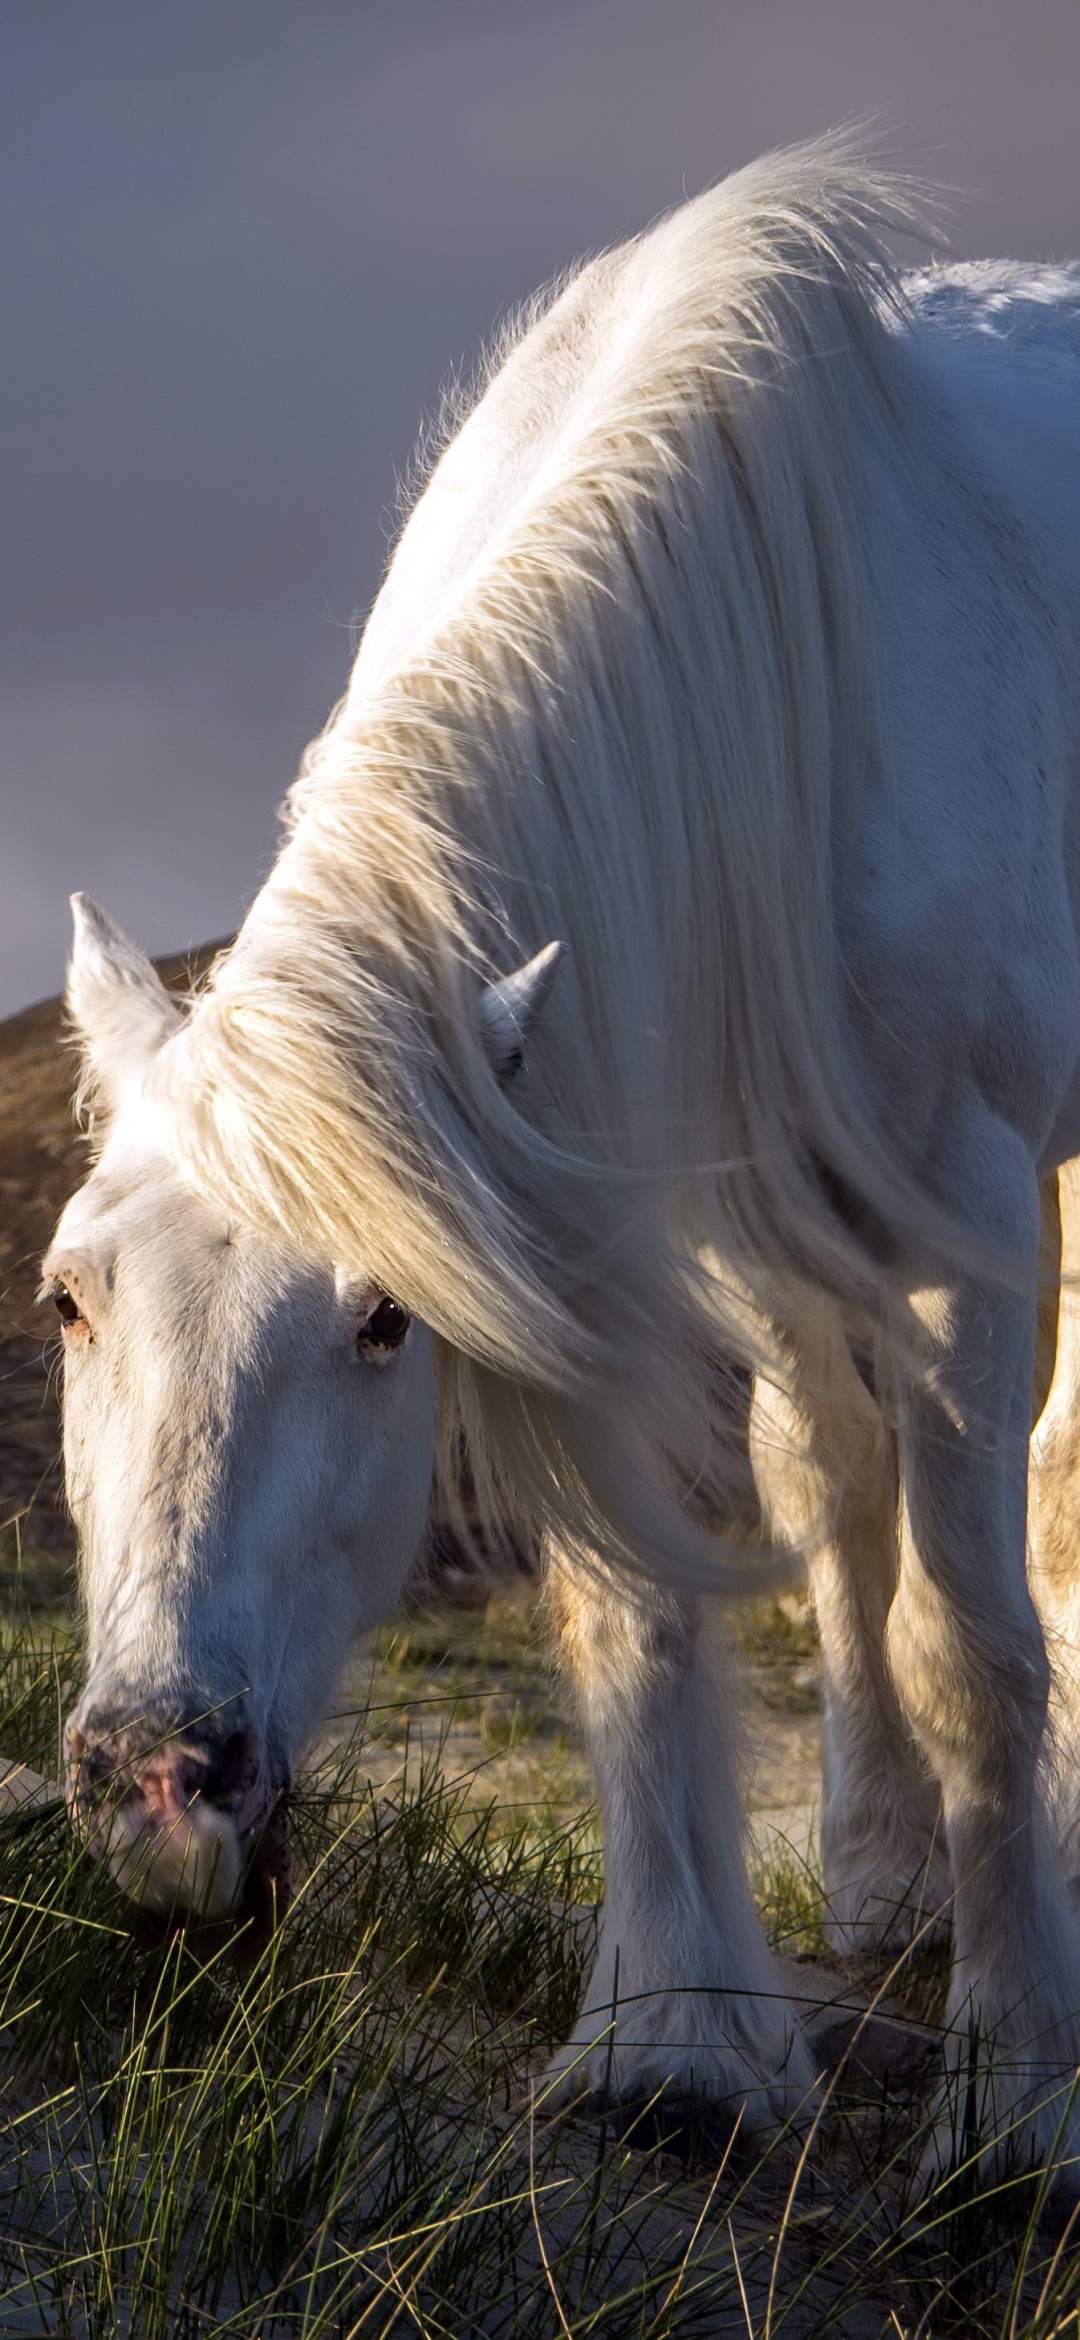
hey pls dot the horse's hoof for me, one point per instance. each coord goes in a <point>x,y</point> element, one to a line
<point>702,2133</point>
<point>699,2133</point>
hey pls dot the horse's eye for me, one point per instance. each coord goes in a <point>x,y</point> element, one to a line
<point>67,1306</point>
<point>386,1327</point>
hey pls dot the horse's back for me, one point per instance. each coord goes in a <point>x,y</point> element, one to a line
<point>1001,340</point>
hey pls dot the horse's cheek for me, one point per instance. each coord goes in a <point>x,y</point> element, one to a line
<point>90,1439</point>
<point>389,1525</point>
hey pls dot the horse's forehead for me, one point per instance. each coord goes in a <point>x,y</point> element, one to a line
<point>139,1228</point>
<point>146,1231</point>
<point>133,1202</point>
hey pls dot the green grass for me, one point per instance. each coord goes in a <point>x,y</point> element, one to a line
<point>779,1641</point>
<point>348,2136</point>
<point>30,1576</point>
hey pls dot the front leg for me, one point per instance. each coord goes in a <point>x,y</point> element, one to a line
<point>683,1996</point>
<point>1054,1529</point>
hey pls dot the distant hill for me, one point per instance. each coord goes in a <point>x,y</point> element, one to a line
<point>42,1161</point>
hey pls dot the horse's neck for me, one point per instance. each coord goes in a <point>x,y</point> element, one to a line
<point>489,471</point>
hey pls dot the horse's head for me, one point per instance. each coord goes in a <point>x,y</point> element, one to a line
<point>249,1443</point>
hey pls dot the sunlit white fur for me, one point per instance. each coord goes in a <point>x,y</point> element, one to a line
<point>734,644</point>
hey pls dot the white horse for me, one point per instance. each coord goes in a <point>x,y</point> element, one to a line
<point>734,645</point>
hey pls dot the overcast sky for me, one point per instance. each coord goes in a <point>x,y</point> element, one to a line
<point>245,242</point>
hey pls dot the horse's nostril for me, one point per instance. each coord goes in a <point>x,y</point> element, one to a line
<point>91,1765</point>
<point>128,1763</point>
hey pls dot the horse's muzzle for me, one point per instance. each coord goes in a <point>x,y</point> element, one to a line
<point>190,1819</point>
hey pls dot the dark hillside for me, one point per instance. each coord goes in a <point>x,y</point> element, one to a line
<point>42,1157</point>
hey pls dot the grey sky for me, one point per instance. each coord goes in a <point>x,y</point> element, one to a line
<point>244,243</point>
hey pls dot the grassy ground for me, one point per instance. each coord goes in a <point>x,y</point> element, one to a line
<point>349,2135</point>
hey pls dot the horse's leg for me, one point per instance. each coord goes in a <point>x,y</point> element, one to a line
<point>683,1995</point>
<point>826,1471</point>
<point>968,1655</point>
<point>1054,1526</point>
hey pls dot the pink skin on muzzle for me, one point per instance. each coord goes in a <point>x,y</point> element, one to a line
<point>193,1825</point>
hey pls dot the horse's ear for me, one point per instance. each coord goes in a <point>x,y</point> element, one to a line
<point>509,1008</point>
<point>116,1000</point>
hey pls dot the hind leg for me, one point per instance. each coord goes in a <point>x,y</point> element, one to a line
<point>1054,1531</point>
<point>970,1662</point>
<point>683,1996</point>
<point>826,1471</point>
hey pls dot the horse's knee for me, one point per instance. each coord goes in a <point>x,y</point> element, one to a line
<point>824,1464</point>
<point>971,1673</point>
<point>614,1637</point>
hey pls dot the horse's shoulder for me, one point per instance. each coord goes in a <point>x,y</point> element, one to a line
<point>999,341</point>
<point>1025,304</point>
<point>1004,331</point>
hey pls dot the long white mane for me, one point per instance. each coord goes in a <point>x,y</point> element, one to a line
<point>633,725</point>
